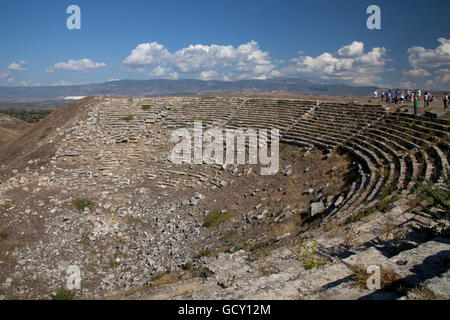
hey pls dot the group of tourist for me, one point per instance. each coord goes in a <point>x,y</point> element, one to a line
<point>388,96</point>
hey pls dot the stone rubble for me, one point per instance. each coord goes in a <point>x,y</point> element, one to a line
<point>146,214</point>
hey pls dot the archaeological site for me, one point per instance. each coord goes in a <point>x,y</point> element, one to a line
<point>92,206</point>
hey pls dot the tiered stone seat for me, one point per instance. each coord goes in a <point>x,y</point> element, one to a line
<point>126,121</point>
<point>407,150</point>
<point>429,131</point>
<point>391,148</point>
<point>266,114</point>
<point>332,124</point>
<point>212,112</point>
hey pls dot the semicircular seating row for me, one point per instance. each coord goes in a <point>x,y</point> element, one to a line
<point>391,149</point>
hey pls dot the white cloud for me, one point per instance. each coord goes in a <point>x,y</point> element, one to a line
<point>406,84</point>
<point>110,80</point>
<point>61,83</point>
<point>428,65</point>
<point>5,78</point>
<point>245,61</point>
<point>174,75</point>
<point>147,54</point>
<point>18,66</point>
<point>353,50</point>
<point>28,83</point>
<point>349,64</point>
<point>208,75</point>
<point>441,79</point>
<point>416,73</point>
<point>4,74</point>
<point>419,57</point>
<point>81,65</point>
<point>158,72</point>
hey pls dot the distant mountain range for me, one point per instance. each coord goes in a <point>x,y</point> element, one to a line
<point>151,88</point>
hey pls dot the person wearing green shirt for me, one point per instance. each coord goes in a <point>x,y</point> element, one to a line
<point>416,104</point>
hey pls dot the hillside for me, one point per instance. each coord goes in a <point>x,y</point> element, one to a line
<point>149,88</point>
<point>31,143</point>
<point>11,128</point>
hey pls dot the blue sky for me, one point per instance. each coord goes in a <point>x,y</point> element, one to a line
<point>325,41</point>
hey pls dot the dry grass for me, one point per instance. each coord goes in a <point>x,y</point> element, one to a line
<point>423,293</point>
<point>388,277</point>
<point>165,279</point>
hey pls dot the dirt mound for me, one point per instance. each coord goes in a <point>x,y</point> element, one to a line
<point>11,128</point>
<point>31,144</point>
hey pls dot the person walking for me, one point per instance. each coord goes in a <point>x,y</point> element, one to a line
<point>445,100</point>
<point>416,103</point>
<point>426,99</point>
<point>396,99</point>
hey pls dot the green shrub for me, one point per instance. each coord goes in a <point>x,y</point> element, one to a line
<point>187,266</point>
<point>239,245</point>
<point>3,235</point>
<point>215,218</point>
<point>382,205</point>
<point>127,118</point>
<point>81,204</point>
<point>436,197</point>
<point>200,273</point>
<point>307,253</point>
<point>146,107</point>
<point>30,116</point>
<point>205,252</point>
<point>63,294</point>
<point>112,264</point>
<point>45,133</point>
<point>228,234</point>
